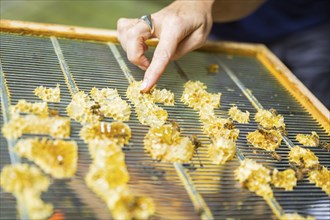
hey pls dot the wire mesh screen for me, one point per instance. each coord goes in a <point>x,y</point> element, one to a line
<point>28,62</point>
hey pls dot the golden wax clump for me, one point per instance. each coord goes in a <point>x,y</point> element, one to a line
<point>147,111</point>
<point>132,207</point>
<point>238,115</point>
<point>150,114</point>
<point>115,131</point>
<point>269,119</point>
<point>196,96</point>
<point>57,127</point>
<point>155,95</point>
<point>207,115</point>
<point>55,157</point>
<point>82,109</point>
<point>321,178</point>
<point>22,106</point>
<point>221,150</point>
<point>285,179</point>
<point>162,96</point>
<point>303,157</point>
<point>265,139</point>
<point>221,127</point>
<point>112,176</point>
<point>108,175</point>
<point>27,183</point>
<point>21,177</point>
<point>311,140</point>
<point>166,144</point>
<point>112,105</point>
<point>48,94</point>
<point>254,177</point>
<point>295,216</point>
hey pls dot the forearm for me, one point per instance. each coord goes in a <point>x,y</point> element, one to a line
<point>231,10</point>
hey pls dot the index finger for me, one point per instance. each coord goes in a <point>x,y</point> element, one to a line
<point>163,53</point>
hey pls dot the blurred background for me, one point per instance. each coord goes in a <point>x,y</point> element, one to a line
<point>86,13</point>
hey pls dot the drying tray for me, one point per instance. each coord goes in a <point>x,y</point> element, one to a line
<point>250,76</point>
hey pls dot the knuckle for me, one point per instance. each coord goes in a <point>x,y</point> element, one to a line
<point>136,58</point>
<point>175,21</point>
<point>132,58</point>
<point>132,33</point>
<point>120,22</point>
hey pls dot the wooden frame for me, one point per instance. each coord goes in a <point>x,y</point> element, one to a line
<point>264,55</point>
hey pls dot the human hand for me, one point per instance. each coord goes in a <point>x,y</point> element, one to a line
<point>180,27</point>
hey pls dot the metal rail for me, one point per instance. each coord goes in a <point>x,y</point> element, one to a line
<point>247,92</point>
<point>198,201</point>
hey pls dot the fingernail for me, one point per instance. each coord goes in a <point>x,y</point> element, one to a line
<point>144,85</point>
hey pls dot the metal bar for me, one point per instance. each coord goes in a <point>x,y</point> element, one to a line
<point>197,200</point>
<point>182,73</point>
<point>277,209</point>
<point>14,159</point>
<point>242,87</point>
<point>250,96</point>
<point>121,62</point>
<point>275,206</point>
<point>64,66</point>
<point>5,103</point>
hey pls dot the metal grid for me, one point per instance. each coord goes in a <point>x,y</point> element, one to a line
<point>31,61</point>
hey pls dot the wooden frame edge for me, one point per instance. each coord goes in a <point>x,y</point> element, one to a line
<point>43,29</point>
<point>261,52</point>
<point>295,87</point>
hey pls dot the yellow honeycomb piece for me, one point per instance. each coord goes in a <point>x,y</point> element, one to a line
<point>115,131</point>
<point>108,176</point>
<point>108,171</point>
<point>162,96</point>
<point>321,178</point>
<point>147,111</point>
<point>22,106</point>
<point>155,95</point>
<point>150,114</point>
<point>255,177</point>
<point>221,127</point>
<point>102,189</point>
<point>207,115</point>
<point>111,103</point>
<point>295,216</point>
<point>265,139</point>
<point>166,144</point>
<point>303,157</point>
<point>311,140</point>
<point>48,94</point>
<point>82,109</point>
<point>195,96</point>
<point>112,176</point>
<point>27,183</point>
<point>57,127</point>
<point>285,179</point>
<point>238,115</point>
<point>107,153</point>
<point>132,207</point>
<point>269,119</point>
<point>221,150</point>
<point>55,157</point>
